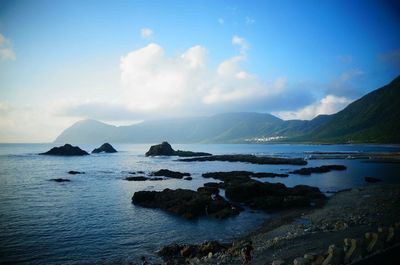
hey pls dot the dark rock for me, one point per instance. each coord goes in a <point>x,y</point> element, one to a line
<point>60,180</point>
<point>220,185</point>
<point>187,178</point>
<point>177,253</point>
<point>140,172</point>
<point>321,169</point>
<point>233,174</point>
<point>66,150</point>
<point>105,148</point>
<point>138,178</point>
<point>270,196</point>
<point>73,172</point>
<point>190,153</point>
<point>249,159</point>
<point>208,190</point>
<point>165,149</point>
<point>186,203</point>
<point>169,174</point>
<point>372,180</point>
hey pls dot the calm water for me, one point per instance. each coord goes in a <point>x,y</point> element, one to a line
<point>92,220</point>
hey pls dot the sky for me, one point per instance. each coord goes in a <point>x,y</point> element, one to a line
<point>123,62</point>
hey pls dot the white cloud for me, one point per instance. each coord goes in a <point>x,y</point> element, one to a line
<point>153,81</point>
<point>328,105</point>
<point>346,76</point>
<point>236,40</point>
<point>28,124</point>
<point>221,21</point>
<point>6,50</point>
<point>146,33</point>
<point>250,21</point>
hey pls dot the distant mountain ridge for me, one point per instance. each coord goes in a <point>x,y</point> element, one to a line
<point>374,118</point>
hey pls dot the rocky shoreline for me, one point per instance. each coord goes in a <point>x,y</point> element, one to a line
<point>293,233</point>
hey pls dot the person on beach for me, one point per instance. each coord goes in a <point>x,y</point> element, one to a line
<point>246,253</point>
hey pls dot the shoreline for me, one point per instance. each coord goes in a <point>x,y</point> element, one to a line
<point>293,233</point>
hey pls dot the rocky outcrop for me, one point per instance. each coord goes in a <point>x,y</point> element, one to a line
<point>73,172</point>
<point>232,174</point>
<point>141,178</point>
<point>66,150</point>
<point>165,149</point>
<point>136,178</point>
<point>170,174</point>
<point>263,160</point>
<point>321,169</point>
<point>266,196</point>
<point>272,196</point>
<point>186,203</point>
<point>176,254</point>
<point>60,180</point>
<point>105,148</point>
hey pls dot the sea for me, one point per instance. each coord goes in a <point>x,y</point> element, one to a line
<point>91,219</point>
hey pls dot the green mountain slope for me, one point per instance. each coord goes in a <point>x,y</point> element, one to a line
<point>374,118</point>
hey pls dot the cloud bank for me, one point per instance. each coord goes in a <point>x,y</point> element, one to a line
<point>328,105</point>
<point>6,50</point>
<point>146,33</point>
<point>155,84</point>
<point>153,81</point>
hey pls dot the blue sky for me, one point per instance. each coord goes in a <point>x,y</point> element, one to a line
<point>125,61</point>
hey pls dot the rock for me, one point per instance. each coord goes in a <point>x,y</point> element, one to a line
<point>175,253</point>
<point>60,180</point>
<point>249,159</point>
<point>233,174</point>
<point>187,178</point>
<point>372,180</point>
<point>220,185</point>
<point>270,196</point>
<point>169,174</point>
<point>141,178</point>
<point>72,172</point>
<point>136,178</point>
<point>105,148</point>
<point>208,190</point>
<point>66,150</point>
<point>321,169</point>
<point>186,203</point>
<point>165,149</point>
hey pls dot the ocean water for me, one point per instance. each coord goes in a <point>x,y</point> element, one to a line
<point>92,220</point>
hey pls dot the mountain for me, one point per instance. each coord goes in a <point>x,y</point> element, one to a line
<point>374,118</point>
<point>370,119</point>
<point>229,127</point>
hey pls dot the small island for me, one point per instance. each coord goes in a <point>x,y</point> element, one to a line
<point>165,149</point>
<point>105,148</point>
<point>66,150</point>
